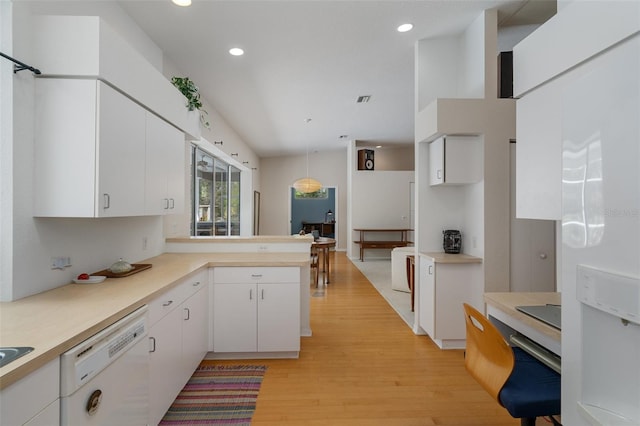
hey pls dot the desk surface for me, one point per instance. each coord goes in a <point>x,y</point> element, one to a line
<point>505,303</point>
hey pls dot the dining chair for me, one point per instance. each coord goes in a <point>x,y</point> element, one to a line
<point>517,381</point>
<point>314,265</point>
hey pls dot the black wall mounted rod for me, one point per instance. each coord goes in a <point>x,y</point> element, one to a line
<point>20,66</point>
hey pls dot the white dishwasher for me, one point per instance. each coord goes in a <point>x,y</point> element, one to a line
<point>105,379</point>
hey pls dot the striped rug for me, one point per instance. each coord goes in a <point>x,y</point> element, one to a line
<point>217,395</point>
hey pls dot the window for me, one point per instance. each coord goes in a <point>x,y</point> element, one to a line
<point>216,195</point>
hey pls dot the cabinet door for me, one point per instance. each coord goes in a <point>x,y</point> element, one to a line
<point>427,306</point>
<point>278,317</point>
<point>121,153</point>
<point>234,317</point>
<point>195,328</point>
<point>455,284</point>
<point>165,167</point>
<point>165,376</point>
<point>539,153</point>
<point>436,161</point>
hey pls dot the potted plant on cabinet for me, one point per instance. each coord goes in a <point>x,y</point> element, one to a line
<point>192,93</point>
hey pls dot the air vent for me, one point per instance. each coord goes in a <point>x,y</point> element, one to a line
<point>363,99</point>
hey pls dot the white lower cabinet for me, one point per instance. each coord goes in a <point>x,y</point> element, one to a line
<point>256,310</point>
<point>446,282</point>
<point>177,341</point>
<point>33,400</point>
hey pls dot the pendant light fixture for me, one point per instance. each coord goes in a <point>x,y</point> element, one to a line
<point>307,184</point>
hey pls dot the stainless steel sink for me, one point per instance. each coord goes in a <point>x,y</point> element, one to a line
<point>12,353</point>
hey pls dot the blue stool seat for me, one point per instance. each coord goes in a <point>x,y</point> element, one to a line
<point>532,390</point>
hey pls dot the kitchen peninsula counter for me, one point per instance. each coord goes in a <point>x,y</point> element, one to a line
<point>54,321</point>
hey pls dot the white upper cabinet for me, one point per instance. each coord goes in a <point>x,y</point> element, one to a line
<point>86,46</point>
<point>455,160</point>
<point>89,150</point>
<point>99,154</point>
<point>165,168</point>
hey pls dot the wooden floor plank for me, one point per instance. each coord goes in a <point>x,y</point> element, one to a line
<point>364,366</point>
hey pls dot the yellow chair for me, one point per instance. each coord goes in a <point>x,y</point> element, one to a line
<point>517,381</point>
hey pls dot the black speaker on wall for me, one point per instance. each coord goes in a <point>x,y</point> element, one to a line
<point>505,75</point>
<point>365,159</point>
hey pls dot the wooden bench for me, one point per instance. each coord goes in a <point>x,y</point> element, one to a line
<point>381,244</point>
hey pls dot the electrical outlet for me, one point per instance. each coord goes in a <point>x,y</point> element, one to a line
<point>60,262</point>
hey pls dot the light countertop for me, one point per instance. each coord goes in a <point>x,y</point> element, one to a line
<point>56,320</point>
<point>507,302</point>
<point>441,257</point>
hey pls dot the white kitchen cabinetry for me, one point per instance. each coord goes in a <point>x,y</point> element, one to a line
<point>89,144</point>
<point>82,46</point>
<point>165,171</point>
<point>33,400</point>
<point>539,153</point>
<point>446,282</point>
<point>99,154</point>
<point>177,318</point>
<point>256,310</point>
<point>455,160</point>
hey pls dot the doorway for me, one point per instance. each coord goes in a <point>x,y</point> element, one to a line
<point>313,212</point>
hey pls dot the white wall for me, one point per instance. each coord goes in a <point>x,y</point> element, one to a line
<point>379,199</point>
<point>278,175</point>
<point>93,244</point>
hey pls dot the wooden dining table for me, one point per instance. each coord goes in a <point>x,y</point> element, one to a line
<point>323,245</point>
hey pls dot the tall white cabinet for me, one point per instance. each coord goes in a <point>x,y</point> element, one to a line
<point>256,310</point>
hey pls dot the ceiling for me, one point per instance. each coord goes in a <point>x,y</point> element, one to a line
<point>311,59</point>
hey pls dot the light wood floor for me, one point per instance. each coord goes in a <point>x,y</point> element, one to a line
<point>364,366</point>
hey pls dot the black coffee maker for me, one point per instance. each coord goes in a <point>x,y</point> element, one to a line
<point>451,241</point>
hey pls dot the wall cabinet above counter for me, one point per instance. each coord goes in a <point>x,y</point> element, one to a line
<point>85,46</point>
<point>92,145</point>
<point>455,160</point>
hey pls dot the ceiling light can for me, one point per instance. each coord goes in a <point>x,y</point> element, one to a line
<point>236,51</point>
<point>405,27</point>
<point>182,2</point>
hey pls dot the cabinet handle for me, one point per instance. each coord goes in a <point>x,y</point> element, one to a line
<point>167,303</point>
<point>430,269</point>
<point>153,339</point>
<point>107,201</point>
<point>439,173</point>
<point>166,203</point>
<point>188,314</point>
<point>262,294</point>
<point>196,284</point>
<point>256,275</point>
<point>172,203</point>
<point>250,294</point>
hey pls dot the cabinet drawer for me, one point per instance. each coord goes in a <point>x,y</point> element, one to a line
<point>168,301</point>
<point>257,274</point>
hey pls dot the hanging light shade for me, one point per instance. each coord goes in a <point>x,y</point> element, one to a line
<point>307,185</point>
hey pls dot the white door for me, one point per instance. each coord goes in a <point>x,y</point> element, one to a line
<point>279,317</point>
<point>533,243</point>
<point>234,317</point>
<point>121,146</point>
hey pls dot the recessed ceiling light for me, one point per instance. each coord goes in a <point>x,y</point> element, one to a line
<point>236,51</point>
<point>343,136</point>
<point>363,99</point>
<point>378,146</point>
<point>405,27</point>
<point>182,2</point>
